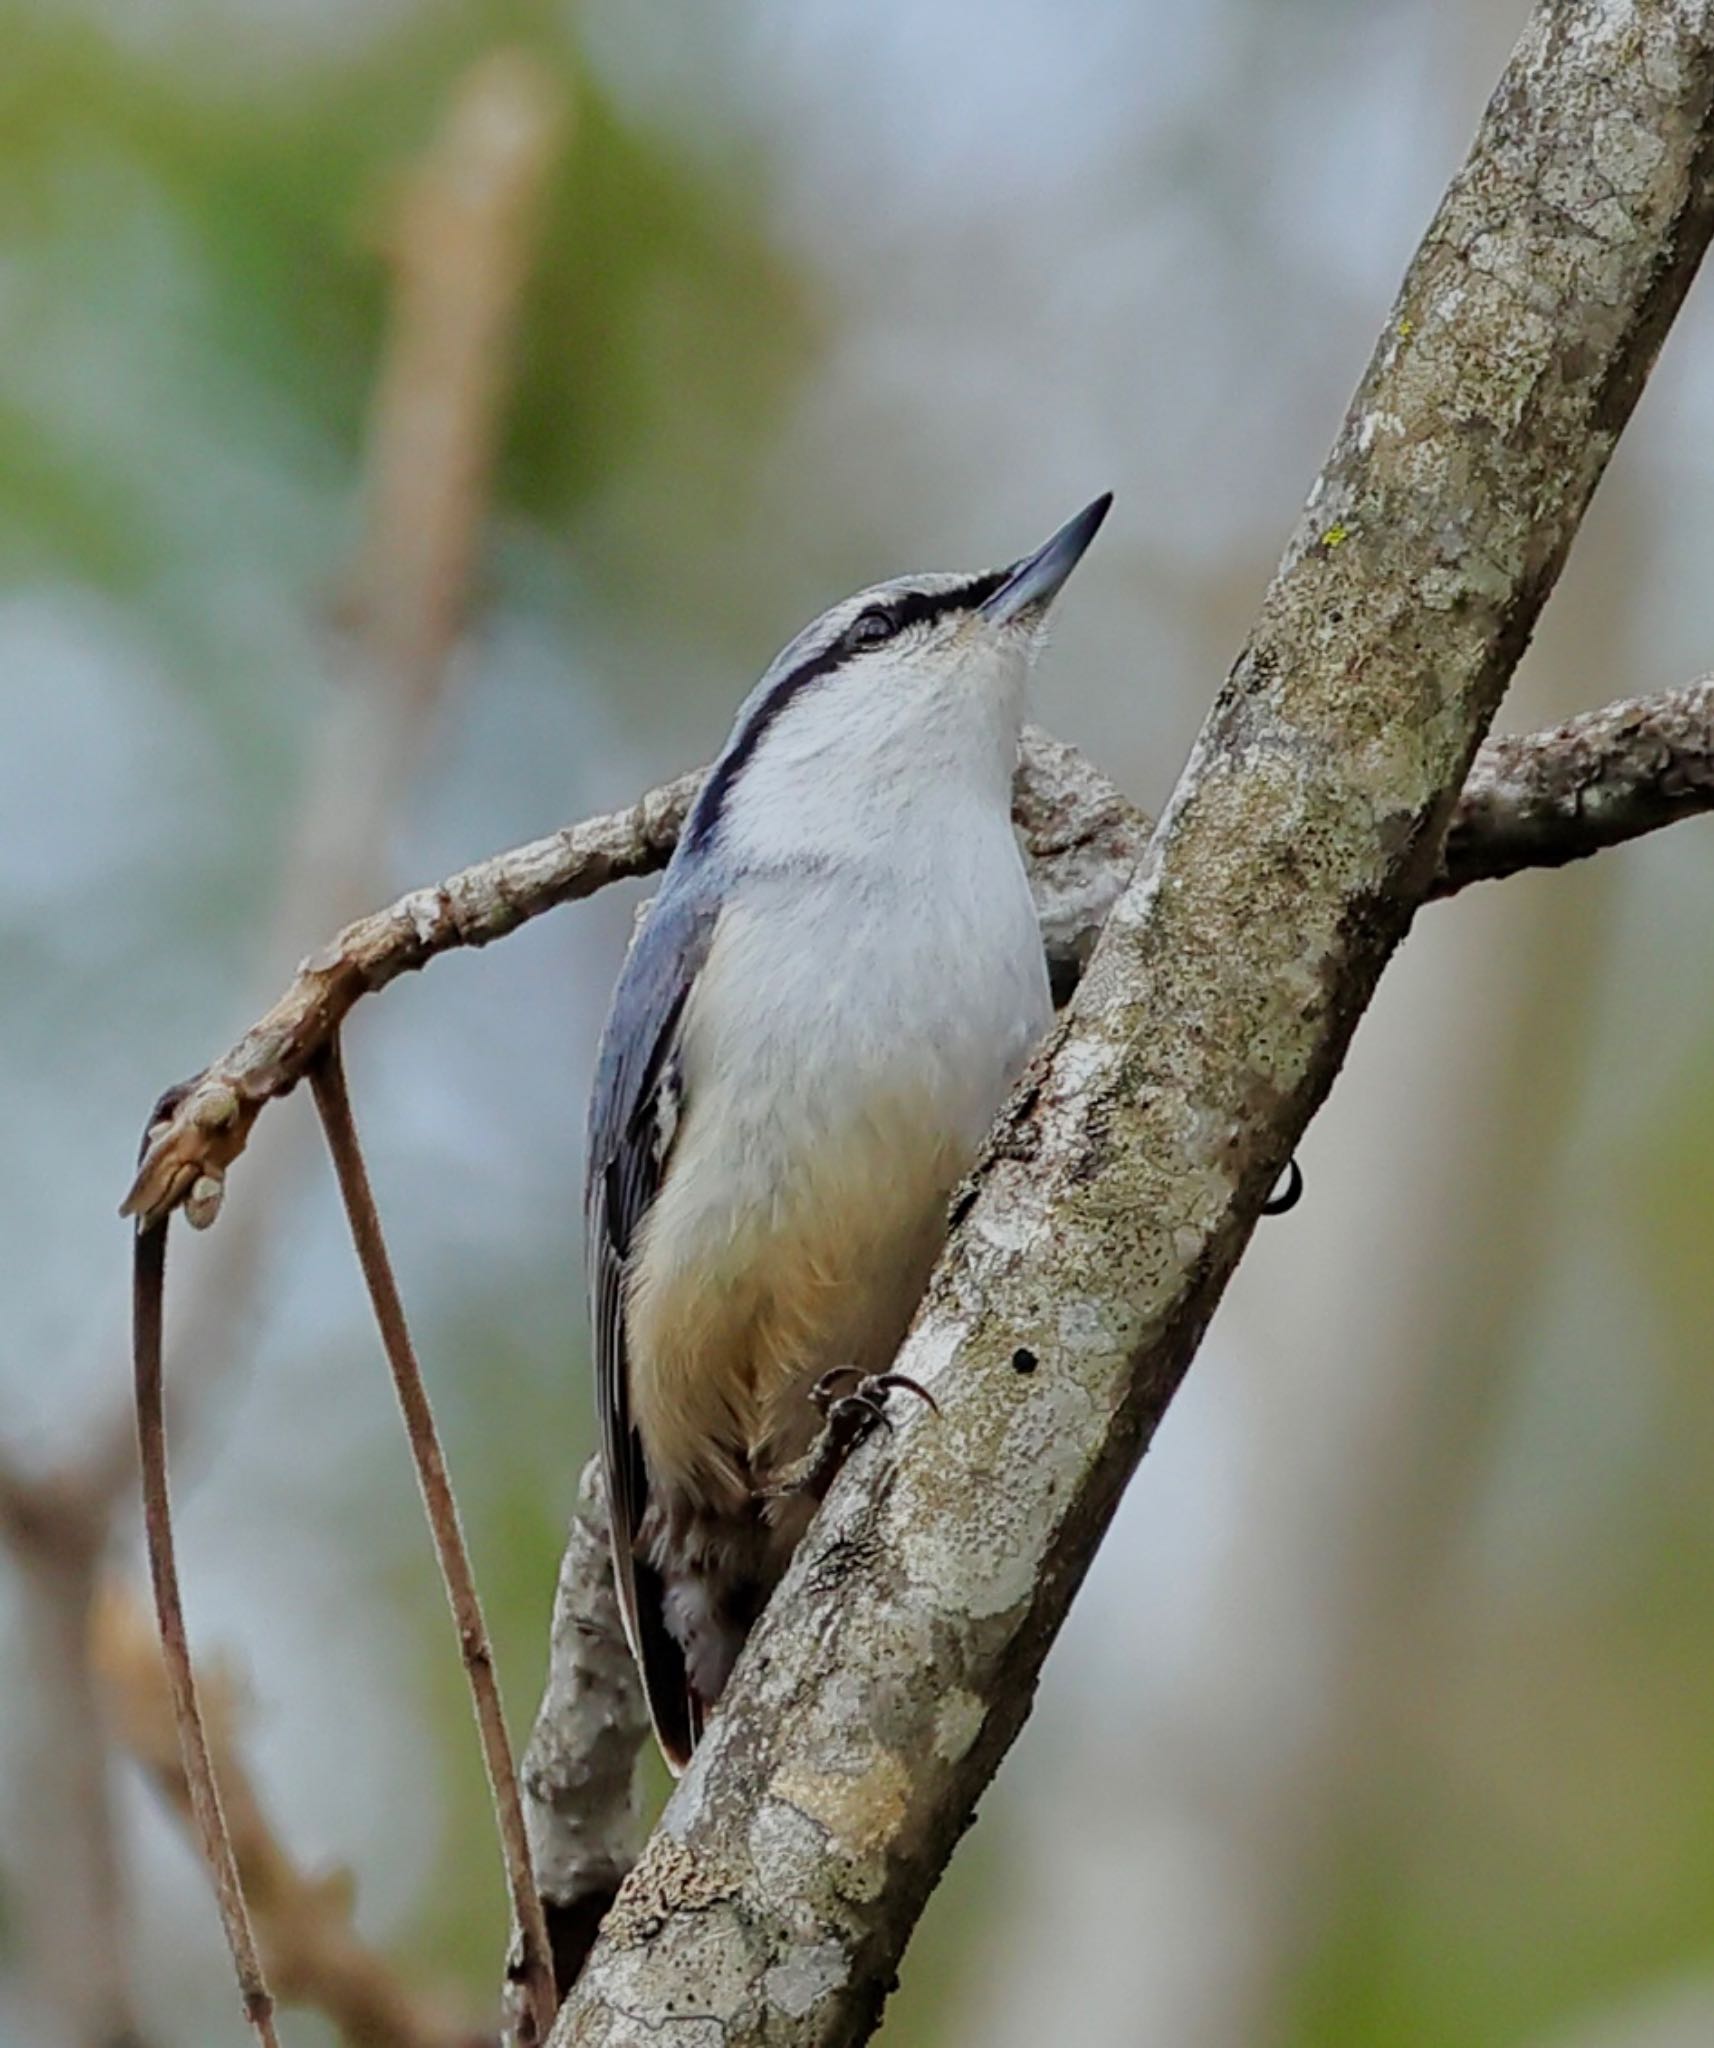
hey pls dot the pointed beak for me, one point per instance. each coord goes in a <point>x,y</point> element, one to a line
<point>1035,582</point>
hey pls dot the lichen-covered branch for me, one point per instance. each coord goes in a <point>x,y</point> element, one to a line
<point>1535,801</point>
<point>896,1663</point>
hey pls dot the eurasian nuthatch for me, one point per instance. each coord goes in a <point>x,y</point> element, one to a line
<point>823,1011</point>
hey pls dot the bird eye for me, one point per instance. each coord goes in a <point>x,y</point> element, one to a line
<point>871,627</point>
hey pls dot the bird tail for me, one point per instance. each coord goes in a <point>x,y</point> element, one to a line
<point>674,1708</point>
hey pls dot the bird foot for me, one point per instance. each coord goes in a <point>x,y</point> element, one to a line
<point>848,1418</point>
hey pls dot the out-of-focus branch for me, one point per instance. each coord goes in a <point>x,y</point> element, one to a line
<point>74,1925</point>
<point>579,1772</point>
<point>458,243</point>
<point>461,243</point>
<point>313,1954</point>
<point>1537,800</point>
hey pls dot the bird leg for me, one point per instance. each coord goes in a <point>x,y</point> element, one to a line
<point>847,1419</point>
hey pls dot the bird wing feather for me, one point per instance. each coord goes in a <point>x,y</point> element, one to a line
<point>635,1108</point>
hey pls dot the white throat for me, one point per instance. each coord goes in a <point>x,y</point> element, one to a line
<point>884,750</point>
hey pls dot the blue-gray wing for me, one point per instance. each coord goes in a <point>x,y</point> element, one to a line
<point>634,1111</point>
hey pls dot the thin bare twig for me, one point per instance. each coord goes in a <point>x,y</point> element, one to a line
<point>458,242</point>
<point>333,1102</point>
<point>148,1289</point>
<point>313,1954</point>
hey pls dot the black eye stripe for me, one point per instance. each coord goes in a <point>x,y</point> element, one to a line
<point>921,607</point>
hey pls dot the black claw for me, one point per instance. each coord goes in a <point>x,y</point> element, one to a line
<point>1288,1196</point>
<point>901,1382</point>
<point>826,1389</point>
<point>855,1406</point>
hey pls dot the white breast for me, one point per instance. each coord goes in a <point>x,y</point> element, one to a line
<point>851,1038</point>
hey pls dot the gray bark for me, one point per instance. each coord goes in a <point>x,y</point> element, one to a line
<point>896,1663</point>
<point>1546,798</point>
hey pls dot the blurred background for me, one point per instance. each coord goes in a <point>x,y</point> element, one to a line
<point>419,422</point>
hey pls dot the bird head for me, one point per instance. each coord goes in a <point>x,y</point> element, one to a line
<point>917,681</point>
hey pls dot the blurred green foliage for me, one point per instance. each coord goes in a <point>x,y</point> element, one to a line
<point>218,247</point>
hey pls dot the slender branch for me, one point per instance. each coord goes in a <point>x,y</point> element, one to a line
<point>314,1955</point>
<point>460,240</point>
<point>327,1079</point>
<point>895,1665</point>
<point>202,1791</point>
<point>1537,801</point>
<point>482,903</point>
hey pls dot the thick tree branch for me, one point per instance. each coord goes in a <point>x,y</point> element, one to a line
<point>895,1665</point>
<point>1535,801</point>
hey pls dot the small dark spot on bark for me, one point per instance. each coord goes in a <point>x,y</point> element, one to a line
<point>1024,1359</point>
